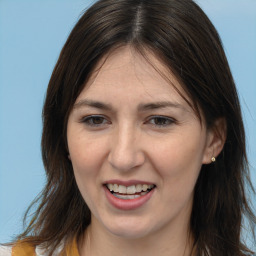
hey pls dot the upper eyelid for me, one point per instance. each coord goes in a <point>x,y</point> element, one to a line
<point>161,116</point>
<point>148,117</point>
<point>87,117</point>
<point>92,116</point>
<point>170,121</point>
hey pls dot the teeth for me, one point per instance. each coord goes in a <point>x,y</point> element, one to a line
<point>138,188</point>
<point>126,196</point>
<point>122,189</point>
<point>129,190</point>
<point>145,187</point>
<point>110,187</point>
<point>116,188</point>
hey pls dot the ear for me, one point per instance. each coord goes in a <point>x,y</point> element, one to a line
<point>215,140</point>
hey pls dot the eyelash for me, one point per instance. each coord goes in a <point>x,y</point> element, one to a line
<point>90,121</point>
<point>167,121</point>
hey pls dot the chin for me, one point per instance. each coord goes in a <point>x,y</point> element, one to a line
<point>129,229</point>
<point>130,234</point>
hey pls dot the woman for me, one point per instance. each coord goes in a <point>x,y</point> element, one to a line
<point>143,141</point>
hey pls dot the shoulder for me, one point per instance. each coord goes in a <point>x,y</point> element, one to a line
<point>41,250</point>
<point>25,249</point>
<point>5,250</point>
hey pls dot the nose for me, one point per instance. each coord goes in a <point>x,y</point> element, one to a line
<point>126,150</point>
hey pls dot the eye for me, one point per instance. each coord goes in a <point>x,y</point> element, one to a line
<point>161,121</point>
<point>95,120</point>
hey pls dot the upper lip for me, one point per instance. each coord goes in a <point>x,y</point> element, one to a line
<point>128,183</point>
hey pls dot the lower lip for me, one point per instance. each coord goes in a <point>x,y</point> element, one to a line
<point>127,204</point>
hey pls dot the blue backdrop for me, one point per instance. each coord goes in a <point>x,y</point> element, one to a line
<point>32,33</point>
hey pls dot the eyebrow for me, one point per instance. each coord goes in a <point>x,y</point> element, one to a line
<point>159,105</point>
<point>141,107</point>
<point>92,103</point>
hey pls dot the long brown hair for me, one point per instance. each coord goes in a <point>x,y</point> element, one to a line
<point>184,39</point>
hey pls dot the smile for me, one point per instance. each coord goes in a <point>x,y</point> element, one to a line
<point>128,195</point>
<point>130,192</point>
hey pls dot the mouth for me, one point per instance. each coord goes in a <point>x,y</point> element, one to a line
<point>129,192</point>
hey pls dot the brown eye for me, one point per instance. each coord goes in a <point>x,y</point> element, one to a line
<point>94,120</point>
<point>161,121</point>
<point>97,120</point>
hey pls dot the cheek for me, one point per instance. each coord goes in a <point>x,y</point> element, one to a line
<point>179,161</point>
<point>86,162</point>
<point>86,155</point>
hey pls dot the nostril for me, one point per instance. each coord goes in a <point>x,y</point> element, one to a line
<point>126,160</point>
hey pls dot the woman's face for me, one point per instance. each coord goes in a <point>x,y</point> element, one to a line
<point>136,147</point>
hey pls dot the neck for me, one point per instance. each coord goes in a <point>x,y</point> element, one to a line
<point>98,242</point>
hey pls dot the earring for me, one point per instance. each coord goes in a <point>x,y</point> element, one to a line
<point>213,159</point>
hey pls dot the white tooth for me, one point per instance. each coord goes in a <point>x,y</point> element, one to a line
<point>115,188</point>
<point>143,193</point>
<point>130,197</point>
<point>138,188</point>
<point>150,186</point>
<point>126,196</point>
<point>110,187</point>
<point>131,190</point>
<point>145,187</point>
<point>118,196</point>
<point>122,189</point>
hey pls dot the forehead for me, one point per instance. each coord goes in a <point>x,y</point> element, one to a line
<point>128,72</point>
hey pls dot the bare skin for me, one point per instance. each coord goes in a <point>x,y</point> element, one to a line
<point>129,123</point>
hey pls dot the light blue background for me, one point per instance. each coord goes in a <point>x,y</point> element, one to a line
<point>32,33</point>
